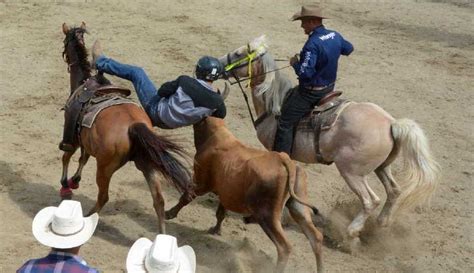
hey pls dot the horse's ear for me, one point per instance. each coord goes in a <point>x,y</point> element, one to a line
<point>65,28</point>
<point>83,25</point>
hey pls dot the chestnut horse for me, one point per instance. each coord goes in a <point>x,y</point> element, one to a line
<point>364,139</point>
<point>120,133</point>
<point>253,182</point>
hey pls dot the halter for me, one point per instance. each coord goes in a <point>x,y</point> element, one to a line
<point>251,56</point>
<point>72,36</point>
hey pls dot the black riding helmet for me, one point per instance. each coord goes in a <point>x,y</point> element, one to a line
<point>209,68</point>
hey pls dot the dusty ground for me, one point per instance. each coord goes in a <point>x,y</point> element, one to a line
<point>413,58</point>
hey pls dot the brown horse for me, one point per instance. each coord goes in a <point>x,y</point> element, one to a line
<point>120,133</point>
<point>364,139</point>
<point>253,182</point>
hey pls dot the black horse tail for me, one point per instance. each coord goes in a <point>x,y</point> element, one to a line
<point>162,153</point>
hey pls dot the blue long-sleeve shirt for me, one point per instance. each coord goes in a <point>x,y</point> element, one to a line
<point>319,57</point>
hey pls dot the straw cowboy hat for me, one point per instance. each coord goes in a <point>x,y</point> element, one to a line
<point>161,256</point>
<point>64,226</point>
<point>311,10</point>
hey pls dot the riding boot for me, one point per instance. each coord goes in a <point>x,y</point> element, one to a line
<point>70,125</point>
<point>283,139</point>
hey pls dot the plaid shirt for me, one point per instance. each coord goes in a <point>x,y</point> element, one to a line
<point>57,262</point>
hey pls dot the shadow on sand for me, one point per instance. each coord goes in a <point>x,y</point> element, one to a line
<point>220,255</point>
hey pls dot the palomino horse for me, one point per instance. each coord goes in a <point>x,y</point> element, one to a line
<point>120,133</point>
<point>252,182</point>
<point>364,139</point>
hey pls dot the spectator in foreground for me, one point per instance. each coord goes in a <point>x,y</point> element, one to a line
<point>65,230</point>
<point>162,255</point>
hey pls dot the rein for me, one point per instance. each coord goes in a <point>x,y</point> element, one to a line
<point>238,80</point>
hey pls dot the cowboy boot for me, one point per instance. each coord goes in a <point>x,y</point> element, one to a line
<point>66,147</point>
<point>96,53</point>
<point>69,141</point>
<point>66,143</point>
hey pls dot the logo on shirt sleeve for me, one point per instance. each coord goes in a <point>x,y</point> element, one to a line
<point>307,57</point>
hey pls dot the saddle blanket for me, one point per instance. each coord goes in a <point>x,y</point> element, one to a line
<point>97,104</point>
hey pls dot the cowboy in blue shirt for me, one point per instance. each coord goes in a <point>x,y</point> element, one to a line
<point>316,68</point>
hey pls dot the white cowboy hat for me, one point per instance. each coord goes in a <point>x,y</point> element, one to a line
<point>160,256</point>
<point>64,226</point>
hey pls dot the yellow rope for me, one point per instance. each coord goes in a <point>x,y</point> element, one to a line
<point>250,56</point>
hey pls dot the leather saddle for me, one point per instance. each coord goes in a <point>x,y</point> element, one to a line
<point>323,117</point>
<point>93,87</point>
<point>329,97</point>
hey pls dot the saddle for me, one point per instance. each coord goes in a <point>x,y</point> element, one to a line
<point>322,118</point>
<point>76,106</point>
<point>96,86</point>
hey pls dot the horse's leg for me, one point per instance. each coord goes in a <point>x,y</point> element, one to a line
<point>65,192</point>
<point>220,215</point>
<point>359,185</point>
<point>302,215</point>
<point>271,225</point>
<point>103,176</point>
<point>393,190</point>
<point>73,182</point>
<point>154,184</point>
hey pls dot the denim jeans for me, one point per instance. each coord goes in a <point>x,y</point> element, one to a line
<point>300,103</point>
<point>146,90</point>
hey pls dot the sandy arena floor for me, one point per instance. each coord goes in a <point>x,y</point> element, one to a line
<point>413,58</point>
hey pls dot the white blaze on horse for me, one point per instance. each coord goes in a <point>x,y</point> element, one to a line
<point>360,138</point>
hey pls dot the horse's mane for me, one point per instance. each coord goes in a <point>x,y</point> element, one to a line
<point>81,50</point>
<point>273,89</point>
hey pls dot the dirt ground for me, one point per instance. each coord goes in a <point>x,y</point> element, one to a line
<point>413,58</point>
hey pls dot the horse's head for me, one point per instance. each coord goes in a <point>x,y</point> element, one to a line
<point>75,54</point>
<point>238,63</point>
<point>252,62</point>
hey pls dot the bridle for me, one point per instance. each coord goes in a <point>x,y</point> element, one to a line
<point>77,34</point>
<point>252,55</point>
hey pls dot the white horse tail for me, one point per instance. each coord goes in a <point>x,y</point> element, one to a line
<point>419,166</point>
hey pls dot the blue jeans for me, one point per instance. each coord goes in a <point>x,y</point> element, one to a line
<point>146,90</point>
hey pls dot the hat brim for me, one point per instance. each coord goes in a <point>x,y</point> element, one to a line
<point>43,233</point>
<point>298,16</point>
<point>137,254</point>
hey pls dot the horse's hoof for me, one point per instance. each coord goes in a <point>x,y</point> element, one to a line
<point>65,193</point>
<point>73,184</point>
<point>384,221</point>
<point>249,220</point>
<point>169,215</point>
<point>214,231</point>
<point>354,246</point>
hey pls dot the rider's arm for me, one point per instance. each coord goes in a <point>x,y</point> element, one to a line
<point>168,88</point>
<point>220,111</point>
<point>346,47</point>
<point>306,68</point>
